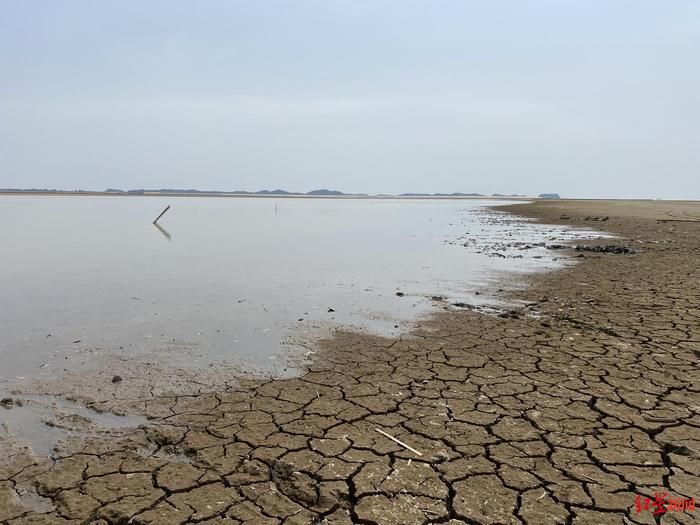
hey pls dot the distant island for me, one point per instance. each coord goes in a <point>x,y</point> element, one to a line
<point>278,192</point>
<point>549,196</point>
<point>322,192</point>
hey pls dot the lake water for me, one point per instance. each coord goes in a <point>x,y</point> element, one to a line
<point>233,278</point>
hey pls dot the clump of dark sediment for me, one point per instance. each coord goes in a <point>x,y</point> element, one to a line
<point>606,249</point>
<point>609,248</point>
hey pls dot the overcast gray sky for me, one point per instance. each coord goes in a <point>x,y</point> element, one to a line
<point>585,98</point>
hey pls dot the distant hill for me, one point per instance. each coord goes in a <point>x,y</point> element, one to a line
<point>321,192</point>
<point>219,192</point>
<point>36,190</point>
<point>171,191</point>
<point>549,196</point>
<point>272,192</point>
<point>325,192</point>
<point>456,194</point>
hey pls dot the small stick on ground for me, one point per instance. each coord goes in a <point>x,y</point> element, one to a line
<point>162,213</point>
<point>404,445</point>
<point>658,419</point>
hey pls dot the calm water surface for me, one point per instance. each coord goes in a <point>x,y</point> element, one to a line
<point>230,278</point>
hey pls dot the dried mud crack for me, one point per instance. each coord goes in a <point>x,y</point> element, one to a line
<point>560,418</point>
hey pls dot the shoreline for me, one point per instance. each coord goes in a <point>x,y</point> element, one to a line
<point>563,416</point>
<point>152,372</point>
<point>155,370</point>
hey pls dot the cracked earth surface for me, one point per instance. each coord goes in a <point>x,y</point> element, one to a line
<point>557,413</point>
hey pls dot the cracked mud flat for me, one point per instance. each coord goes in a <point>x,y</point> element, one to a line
<point>559,417</point>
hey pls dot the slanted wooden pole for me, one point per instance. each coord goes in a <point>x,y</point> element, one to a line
<point>162,213</point>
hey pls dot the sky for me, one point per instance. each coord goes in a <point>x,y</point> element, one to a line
<point>589,99</point>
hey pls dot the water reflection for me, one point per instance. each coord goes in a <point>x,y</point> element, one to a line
<point>162,230</point>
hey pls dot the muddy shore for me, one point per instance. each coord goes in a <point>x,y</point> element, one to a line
<point>560,412</point>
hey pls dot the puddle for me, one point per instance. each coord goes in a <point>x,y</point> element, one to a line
<point>43,421</point>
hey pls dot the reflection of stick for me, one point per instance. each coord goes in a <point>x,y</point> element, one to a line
<point>162,230</point>
<point>162,213</point>
<point>404,445</point>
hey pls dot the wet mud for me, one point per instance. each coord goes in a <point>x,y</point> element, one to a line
<point>560,411</point>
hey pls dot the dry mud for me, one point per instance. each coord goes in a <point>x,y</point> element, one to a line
<point>560,412</point>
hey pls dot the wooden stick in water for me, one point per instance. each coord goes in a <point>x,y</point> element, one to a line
<point>162,213</point>
<point>404,445</point>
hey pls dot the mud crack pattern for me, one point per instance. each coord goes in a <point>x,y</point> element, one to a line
<point>556,418</point>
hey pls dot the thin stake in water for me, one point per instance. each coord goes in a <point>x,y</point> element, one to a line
<point>162,213</point>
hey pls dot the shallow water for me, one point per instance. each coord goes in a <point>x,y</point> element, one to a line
<point>91,288</point>
<point>232,278</point>
<point>42,421</point>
